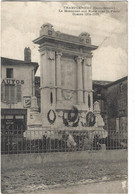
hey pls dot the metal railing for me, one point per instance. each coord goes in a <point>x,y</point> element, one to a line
<point>52,140</point>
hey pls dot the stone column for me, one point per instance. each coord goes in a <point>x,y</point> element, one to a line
<point>85,83</point>
<point>88,71</point>
<point>79,80</point>
<point>91,85</point>
<point>44,69</point>
<point>51,77</point>
<point>45,91</point>
<point>58,75</point>
<point>51,66</point>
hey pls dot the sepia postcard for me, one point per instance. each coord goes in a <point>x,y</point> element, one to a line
<point>64,97</point>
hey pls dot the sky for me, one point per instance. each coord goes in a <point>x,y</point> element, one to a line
<point>21,22</point>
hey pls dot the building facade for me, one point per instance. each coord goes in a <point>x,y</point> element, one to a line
<point>112,97</point>
<point>17,89</point>
<point>117,110</point>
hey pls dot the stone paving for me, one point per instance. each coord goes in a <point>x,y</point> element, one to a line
<point>56,175</point>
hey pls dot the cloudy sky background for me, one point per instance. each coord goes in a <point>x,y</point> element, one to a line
<point>21,22</point>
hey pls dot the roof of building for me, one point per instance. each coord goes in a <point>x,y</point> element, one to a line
<point>101,83</point>
<point>8,61</point>
<point>117,81</point>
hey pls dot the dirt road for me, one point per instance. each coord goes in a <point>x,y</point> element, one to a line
<point>61,174</point>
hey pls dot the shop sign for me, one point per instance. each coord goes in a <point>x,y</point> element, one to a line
<point>12,81</point>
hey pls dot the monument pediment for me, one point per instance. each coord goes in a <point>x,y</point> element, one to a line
<point>49,35</point>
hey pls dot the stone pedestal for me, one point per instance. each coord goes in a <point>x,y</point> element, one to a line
<point>99,121</point>
<point>34,122</point>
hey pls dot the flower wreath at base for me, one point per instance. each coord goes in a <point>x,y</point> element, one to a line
<point>51,121</point>
<point>71,118</point>
<point>90,119</point>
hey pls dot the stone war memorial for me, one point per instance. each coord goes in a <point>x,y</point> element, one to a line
<point>66,85</point>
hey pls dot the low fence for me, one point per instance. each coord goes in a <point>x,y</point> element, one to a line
<point>52,140</point>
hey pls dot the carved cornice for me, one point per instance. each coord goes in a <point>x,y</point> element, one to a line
<point>65,51</point>
<point>91,55</point>
<point>51,55</point>
<point>87,61</point>
<point>79,59</point>
<point>47,29</point>
<point>85,37</point>
<point>58,54</point>
<point>41,40</point>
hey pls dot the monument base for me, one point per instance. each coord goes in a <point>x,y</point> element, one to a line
<point>66,123</point>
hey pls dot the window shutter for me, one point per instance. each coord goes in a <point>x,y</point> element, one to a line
<point>19,93</point>
<point>7,97</point>
<point>2,92</point>
<point>12,93</point>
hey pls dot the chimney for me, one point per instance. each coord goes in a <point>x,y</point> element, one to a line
<point>27,54</point>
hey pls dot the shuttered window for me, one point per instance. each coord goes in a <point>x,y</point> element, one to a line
<point>7,97</point>
<point>19,93</point>
<point>11,93</point>
<point>9,72</point>
<point>2,92</point>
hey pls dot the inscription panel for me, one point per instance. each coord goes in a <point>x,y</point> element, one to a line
<point>68,79</point>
